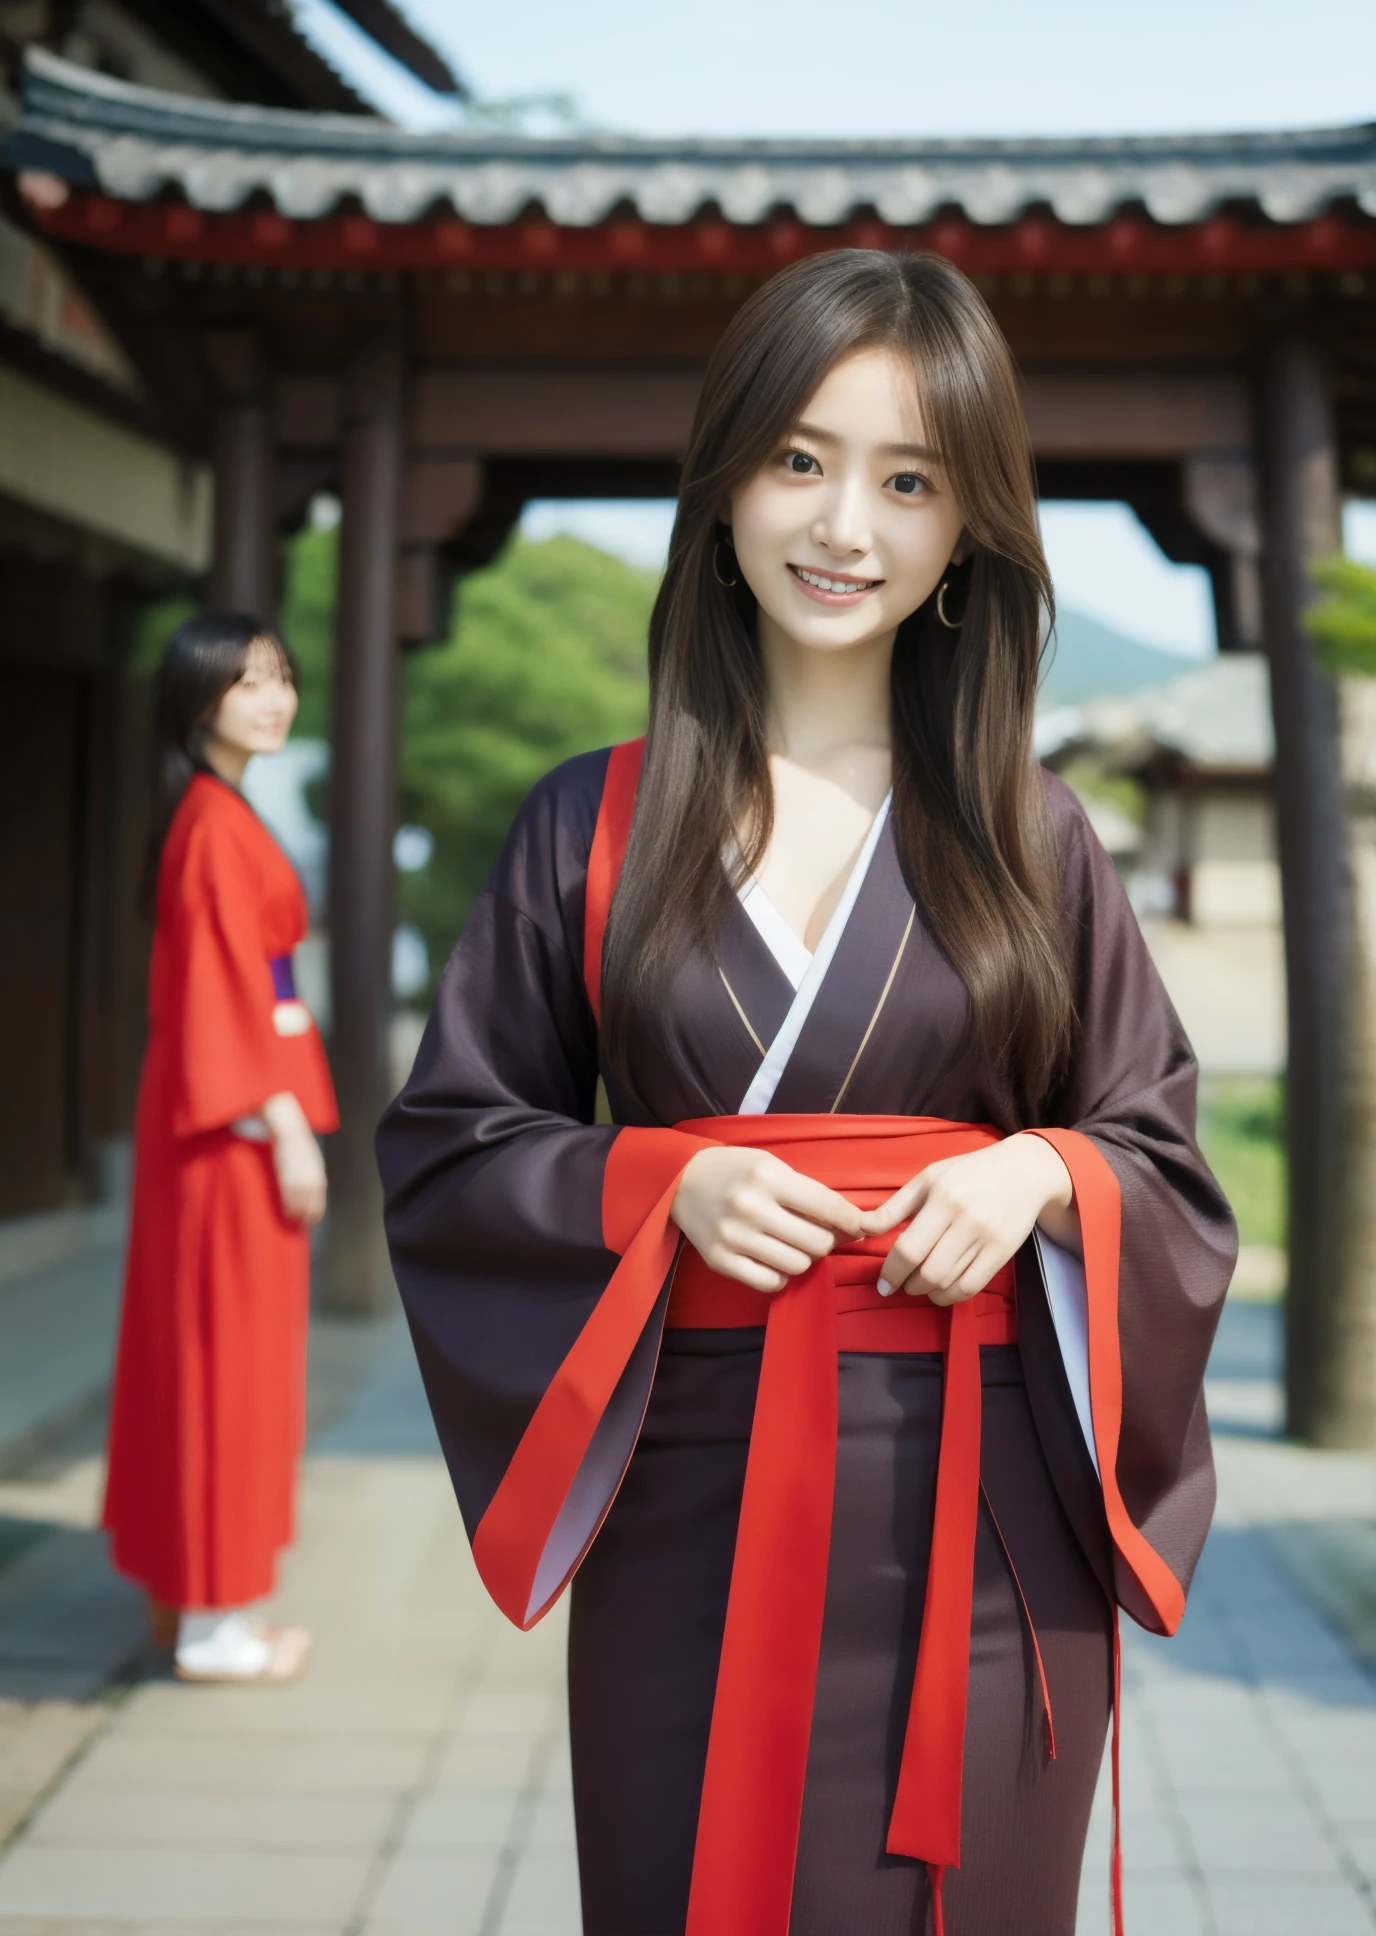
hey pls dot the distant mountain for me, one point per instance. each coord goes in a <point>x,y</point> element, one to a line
<point>1086,659</point>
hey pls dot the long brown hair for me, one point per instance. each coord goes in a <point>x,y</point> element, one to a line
<point>970,818</point>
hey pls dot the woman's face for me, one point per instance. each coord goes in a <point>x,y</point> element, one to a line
<point>851,524</point>
<point>256,713</point>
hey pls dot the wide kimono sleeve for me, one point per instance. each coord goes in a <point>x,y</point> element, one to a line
<point>228,1057</point>
<point>495,1180</point>
<point>1132,1096</point>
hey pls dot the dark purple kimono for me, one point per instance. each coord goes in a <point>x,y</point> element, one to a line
<point>493,1169</point>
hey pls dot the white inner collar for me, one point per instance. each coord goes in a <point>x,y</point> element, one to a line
<point>806,971</point>
<point>788,948</point>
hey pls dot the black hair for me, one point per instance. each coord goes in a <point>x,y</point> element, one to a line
<point>206,655</point>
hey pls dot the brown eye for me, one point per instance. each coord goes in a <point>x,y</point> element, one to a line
<point>800,463</point>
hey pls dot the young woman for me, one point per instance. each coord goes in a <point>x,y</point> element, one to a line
<point>853,1370</point>
<point>209,1395</point>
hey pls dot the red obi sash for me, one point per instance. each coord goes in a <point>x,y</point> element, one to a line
<point>752,1792</point>
<point>757,1753</point>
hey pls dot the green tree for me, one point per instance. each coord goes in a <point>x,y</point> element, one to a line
<point>1343,623</point>
<point>545,659</point>
<point>310,566</point>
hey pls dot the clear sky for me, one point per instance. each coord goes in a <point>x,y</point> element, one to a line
<point>896,67</point>
<point>878,67</point>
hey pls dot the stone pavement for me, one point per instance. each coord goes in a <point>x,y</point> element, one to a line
<point>417,1780</point>
<point>59,1309</point>
<point>1249,1740</point>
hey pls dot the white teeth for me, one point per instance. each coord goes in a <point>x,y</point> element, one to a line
<point>832,584</point>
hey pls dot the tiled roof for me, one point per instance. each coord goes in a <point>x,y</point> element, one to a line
<point>1217,717</point>
<point>136,144</point>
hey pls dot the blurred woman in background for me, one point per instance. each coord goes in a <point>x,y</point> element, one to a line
<point>208,1409</point>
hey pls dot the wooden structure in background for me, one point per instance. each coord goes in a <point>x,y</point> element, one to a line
<point>105,507</point>
<point>442,327</point>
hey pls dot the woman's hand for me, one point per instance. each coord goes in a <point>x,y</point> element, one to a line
<point>296,1159</point>
<point>970,1215</point>
<point>749,1216</point>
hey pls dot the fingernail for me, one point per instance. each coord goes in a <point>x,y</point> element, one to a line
<point>885,1288</point>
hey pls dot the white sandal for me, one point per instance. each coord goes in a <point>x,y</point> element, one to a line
<point>287,1651</point>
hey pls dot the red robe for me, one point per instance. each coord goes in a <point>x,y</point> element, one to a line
<point>208,1410</point>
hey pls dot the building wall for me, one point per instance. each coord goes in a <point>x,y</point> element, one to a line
<point>38,298</point>
<point>96,518</point>
<point>1234,872</point>
<point>73,802</point>
<point>1215,845</point>
<point>61,457</point>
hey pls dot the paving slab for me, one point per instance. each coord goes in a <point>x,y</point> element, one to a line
<point>1314,1905</point>
<point>179,1926</point>
<point>442,1890</point>
<point>1249,1739</point>
<point>58,1322</point>
<point>80,1816</point>
<point>153,1884</point>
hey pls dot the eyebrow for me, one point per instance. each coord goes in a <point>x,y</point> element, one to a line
<point>923,452</point>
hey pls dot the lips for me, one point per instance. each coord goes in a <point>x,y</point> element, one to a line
<point>832,588</point>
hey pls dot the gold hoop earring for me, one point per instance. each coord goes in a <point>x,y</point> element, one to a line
<point>716,568</point>
<point>951,624</point>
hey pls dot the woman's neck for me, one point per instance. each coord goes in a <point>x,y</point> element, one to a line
<point>822,703</point>
<point>227,762</point>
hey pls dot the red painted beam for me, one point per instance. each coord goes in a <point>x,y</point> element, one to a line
<point>1035,246</point>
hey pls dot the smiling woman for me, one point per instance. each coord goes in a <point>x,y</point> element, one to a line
<point>796,1198</point>
<point>860,422</point>
<point>830,522</point>
<point>208,1403</point>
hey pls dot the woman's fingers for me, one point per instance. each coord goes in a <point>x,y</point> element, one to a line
<point>937,1247</point>
<point>944,1288</point>
<point>952,1253</point>
<point>751,1217</point>
<point>815,1201</point>
<point>746,1270</point>
<point>815,1239</point>
<point>740,1240</point>
<point>910,1251</point>
<point>304,1202</point>
<point>970,1283</point>
<point>969,1216</point>
<point>902,1204</point>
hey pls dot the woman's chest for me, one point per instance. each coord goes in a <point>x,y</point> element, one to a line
<point>874,1021</point>
<point>821,829</point>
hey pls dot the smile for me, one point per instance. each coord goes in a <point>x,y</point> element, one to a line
<point>832,589</point>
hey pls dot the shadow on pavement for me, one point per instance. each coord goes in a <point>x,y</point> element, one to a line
<point>377,1408</point>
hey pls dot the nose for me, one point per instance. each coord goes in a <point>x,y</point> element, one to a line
<point>842,526</point>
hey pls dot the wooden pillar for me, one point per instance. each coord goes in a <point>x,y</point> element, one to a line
<point>1219,494</point>
<point>362,820</point>
<point>1301,521</point>
<point>243,573</point>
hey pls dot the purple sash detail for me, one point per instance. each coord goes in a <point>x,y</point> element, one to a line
<point>283,981</point>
